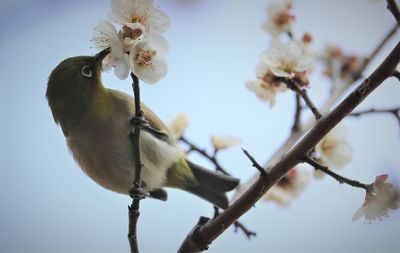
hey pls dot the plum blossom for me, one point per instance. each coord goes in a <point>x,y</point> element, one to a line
<point>266,85</point>
<point>106,36</point>
<point>179,124</point>
<point>380,197</point>
<point>138,46</point>
<point>340,65</point>
<point>223,142</point>
<point>334,151</point>
<point>287,60</point>
<point>143,12</point>
<point>279,18</point>
<point>289,187</point>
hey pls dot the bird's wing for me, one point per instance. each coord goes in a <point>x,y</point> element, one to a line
<point>154,121</point>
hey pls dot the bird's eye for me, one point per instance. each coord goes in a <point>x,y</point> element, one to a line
<point>86,71</point>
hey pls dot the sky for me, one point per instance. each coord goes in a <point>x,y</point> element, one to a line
<point>47,204</point>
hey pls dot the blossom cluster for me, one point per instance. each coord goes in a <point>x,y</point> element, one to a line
<point>291,60</point>
<point>138,46</point>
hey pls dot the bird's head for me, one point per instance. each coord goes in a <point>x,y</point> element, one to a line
<point>71,85</point>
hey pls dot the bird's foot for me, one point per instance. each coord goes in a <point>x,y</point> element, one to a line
<point>138,193</point>
<point>142,123</point>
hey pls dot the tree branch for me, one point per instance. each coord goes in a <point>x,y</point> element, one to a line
<point>211,158</point>
<point>394,111</point>
<point>135,192</point>
<point>297,115</point>
<point>238,225</point>
<point>255,163</point>
<point>293,85</point>
<point>394,9</point>
<point>209,231</point>
<point>339,178</point>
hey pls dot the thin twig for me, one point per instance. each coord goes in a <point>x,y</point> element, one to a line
<point>394,9</point>
<point>255,163</point>
<point>339,178</point>
<point>293,85</point>
<point>394,111</point>
<point>297,115</point>
<point>135,192</point>
<point>237,226</point>
<point>211,158</point>
<point>192,147</point>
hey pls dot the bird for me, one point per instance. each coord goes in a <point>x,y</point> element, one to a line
<point>97,122</point>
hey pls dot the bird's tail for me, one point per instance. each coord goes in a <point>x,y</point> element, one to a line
<point>211,186</point>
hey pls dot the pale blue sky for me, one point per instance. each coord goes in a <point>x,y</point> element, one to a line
<point>47,204</point>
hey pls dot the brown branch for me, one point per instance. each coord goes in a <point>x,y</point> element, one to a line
<point>207,232</point>
<point>297,115</point>
<point>211,158</point>
<point>293,85</point>
<point>135,192</point>
<point>394,9</point>
<point>238,225</point>
<point>255,163</point>
<point>394,111</point>
<point>339,178</point>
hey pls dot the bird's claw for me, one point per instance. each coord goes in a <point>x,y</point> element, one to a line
<point>139,122</point>
<point>142,123</point>
<point>138,193</point>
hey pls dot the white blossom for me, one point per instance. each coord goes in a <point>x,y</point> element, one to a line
<point>265,86</point>
<point>179,124</point>
<point>289,188</point>
<point>148,59</point>
<point>334,151</point>
<point>223,142</point>
<point>279,19</point>
<point>106,36</point>
<point>139,11</point>
<point>380,197</point>
<point>287,60</point>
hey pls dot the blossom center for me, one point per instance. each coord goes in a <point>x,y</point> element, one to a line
<point>132,34</point>
<point>145,58</point>
<point>284,18</point>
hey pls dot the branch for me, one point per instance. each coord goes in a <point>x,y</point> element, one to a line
<point>238,225</point>
<point>394,9</point>
<point>297,115</point>
<point>255,163</point>
<point>135,192</point>
<point>293,85</point>
<point>394,111</point>
<point>339,178</point>
<point>213,159</point>
<point>210,230</point>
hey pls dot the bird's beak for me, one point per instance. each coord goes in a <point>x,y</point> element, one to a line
<point>98,58</point>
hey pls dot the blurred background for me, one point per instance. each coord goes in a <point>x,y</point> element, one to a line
<point>48,204</point>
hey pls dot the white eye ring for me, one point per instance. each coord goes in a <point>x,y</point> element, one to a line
<point>86,71</point>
